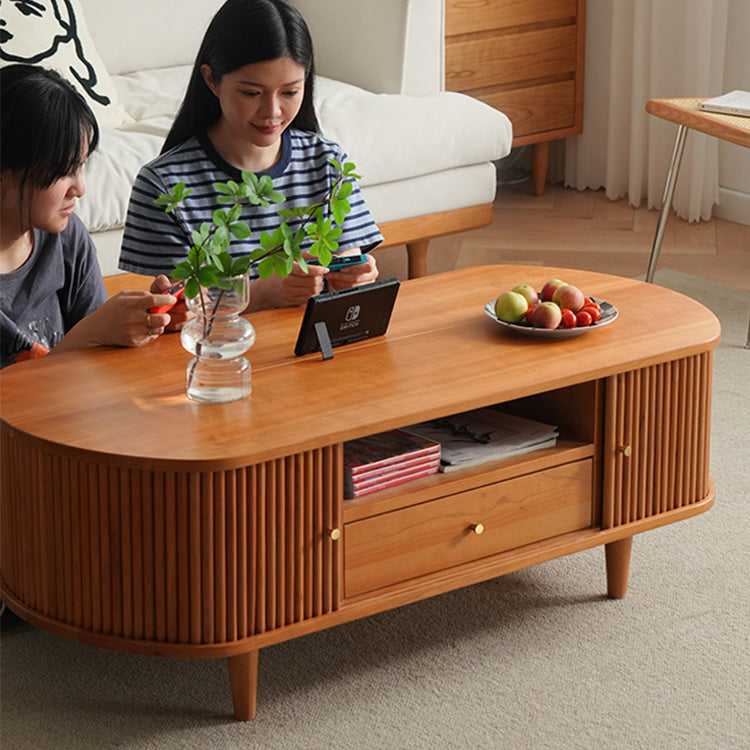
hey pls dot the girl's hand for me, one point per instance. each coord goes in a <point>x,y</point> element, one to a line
<point>362,273</point>
<point>123,320</point>
<point>179,314</point>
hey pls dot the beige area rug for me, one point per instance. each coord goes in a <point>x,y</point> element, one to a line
<point>537,659</point>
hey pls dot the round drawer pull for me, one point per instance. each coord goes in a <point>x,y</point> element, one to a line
<point>477,528</point>
<point>625,449</point>
<point>334,534</point>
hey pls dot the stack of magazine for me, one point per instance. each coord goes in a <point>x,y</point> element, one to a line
<point>387,459</point>
<point>482,435</point>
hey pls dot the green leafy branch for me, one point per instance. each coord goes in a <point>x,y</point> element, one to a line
<point>208,261</point>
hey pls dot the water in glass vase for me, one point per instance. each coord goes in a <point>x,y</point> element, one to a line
<point>218,337</point>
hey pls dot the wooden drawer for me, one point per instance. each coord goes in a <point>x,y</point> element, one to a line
<point>536,109</point>
<point>432,536</point>
<point>509,58</point>
<point>468,16</point>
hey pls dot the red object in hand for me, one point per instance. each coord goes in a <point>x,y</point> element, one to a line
<point>175,290</point>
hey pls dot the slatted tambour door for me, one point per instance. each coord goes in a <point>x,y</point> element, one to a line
<point>657,430</point>
<point>194,557</point>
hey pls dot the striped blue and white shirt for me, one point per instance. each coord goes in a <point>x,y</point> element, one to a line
<point>155,241</point>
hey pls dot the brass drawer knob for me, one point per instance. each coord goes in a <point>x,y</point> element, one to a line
<point>477,528</point>
<point>625,449</point>
<point>334,534</point>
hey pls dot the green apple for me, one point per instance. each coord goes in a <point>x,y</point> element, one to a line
<point>529,292</point>
<point>510,307</point>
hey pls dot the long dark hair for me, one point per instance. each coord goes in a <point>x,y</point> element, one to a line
<point>244,32</point>
<point>46,127</point>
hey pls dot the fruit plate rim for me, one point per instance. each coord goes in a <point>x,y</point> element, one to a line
<point>609,314</point>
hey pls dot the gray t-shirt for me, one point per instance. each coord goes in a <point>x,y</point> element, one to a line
<point>60,284</point>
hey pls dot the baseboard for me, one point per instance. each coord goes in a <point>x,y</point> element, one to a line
<point>733,206</point>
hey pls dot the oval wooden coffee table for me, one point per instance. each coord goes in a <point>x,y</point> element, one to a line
<point>133,519</point>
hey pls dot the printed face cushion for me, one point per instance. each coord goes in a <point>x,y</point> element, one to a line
<point>53,34</point>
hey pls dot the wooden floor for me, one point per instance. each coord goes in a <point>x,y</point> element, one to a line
<point>583,229</point>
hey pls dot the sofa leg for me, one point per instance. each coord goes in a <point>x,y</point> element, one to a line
<point>539,165</point>
<point>243,679</point>
<point>417,252</point>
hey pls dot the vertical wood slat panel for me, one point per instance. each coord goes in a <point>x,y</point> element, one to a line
<point>663,414</point>
<point>183,558</point>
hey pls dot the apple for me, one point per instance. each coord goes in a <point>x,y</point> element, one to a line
<point>546,315</point>
<point>549,289</point>
<point>529,292</point>
<point>510,307</point>
<point>568,296</point>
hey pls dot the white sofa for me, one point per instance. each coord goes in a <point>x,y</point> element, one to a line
<point>424,154</point>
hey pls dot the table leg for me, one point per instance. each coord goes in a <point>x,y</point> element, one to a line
<point>747,340</point>
<point>617,556</point>
<point>674,168</point>
<point>243,679</point>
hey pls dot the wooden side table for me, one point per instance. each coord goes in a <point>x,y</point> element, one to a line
<point>686,114</point>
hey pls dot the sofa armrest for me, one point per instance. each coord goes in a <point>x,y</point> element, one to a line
<point>385,46</point>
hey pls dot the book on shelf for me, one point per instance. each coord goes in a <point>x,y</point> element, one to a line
<point>475,437</point>
<point>733,103</point>
<point>390,477</point>
<point>367,454</point>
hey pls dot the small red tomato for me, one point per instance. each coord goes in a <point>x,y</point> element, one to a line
<point>594,312</point>
<point>583,318</point>
<point>528,312</point>
<point>588,302</point>
<point>568,319</point>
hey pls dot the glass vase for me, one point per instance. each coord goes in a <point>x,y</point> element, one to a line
<point>218,337</point>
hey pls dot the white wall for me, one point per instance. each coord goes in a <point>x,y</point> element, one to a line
<point>734,161</point>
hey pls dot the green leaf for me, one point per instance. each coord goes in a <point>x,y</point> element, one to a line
<point>240,230</point>
<point>182,270</point>
<point>220,217</point>
<point>207,276</point>
<point>240,266</point>
<point>265,268</point>
<point>192,288</point>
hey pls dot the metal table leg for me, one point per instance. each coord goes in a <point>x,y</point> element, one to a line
<point>674,168</point>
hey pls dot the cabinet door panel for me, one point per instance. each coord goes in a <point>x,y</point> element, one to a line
<point>439,534</point>
<point>508,58</point>
<point>468,16</point>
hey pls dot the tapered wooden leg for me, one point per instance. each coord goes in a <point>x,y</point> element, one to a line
<point>243,679</point>
<point>539,165</point>
<point>617,556</point>
<point>417,252</point>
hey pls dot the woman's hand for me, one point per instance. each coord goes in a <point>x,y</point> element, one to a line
<point>123,320</point>
<point>347,277</point>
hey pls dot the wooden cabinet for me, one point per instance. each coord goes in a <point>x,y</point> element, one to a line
<point>524,57</point>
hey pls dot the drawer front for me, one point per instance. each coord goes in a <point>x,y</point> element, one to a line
<point>468,16</point>
<point>508,58</point>
<point>429,537</point>
<point>536,109</point>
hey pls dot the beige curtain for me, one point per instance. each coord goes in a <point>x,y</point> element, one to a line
<point>638,50</point>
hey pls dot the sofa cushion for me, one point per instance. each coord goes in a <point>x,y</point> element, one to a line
<point>394,136</point>
<point>55,35</point>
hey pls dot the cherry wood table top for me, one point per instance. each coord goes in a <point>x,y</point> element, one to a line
<point>441,354</point>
